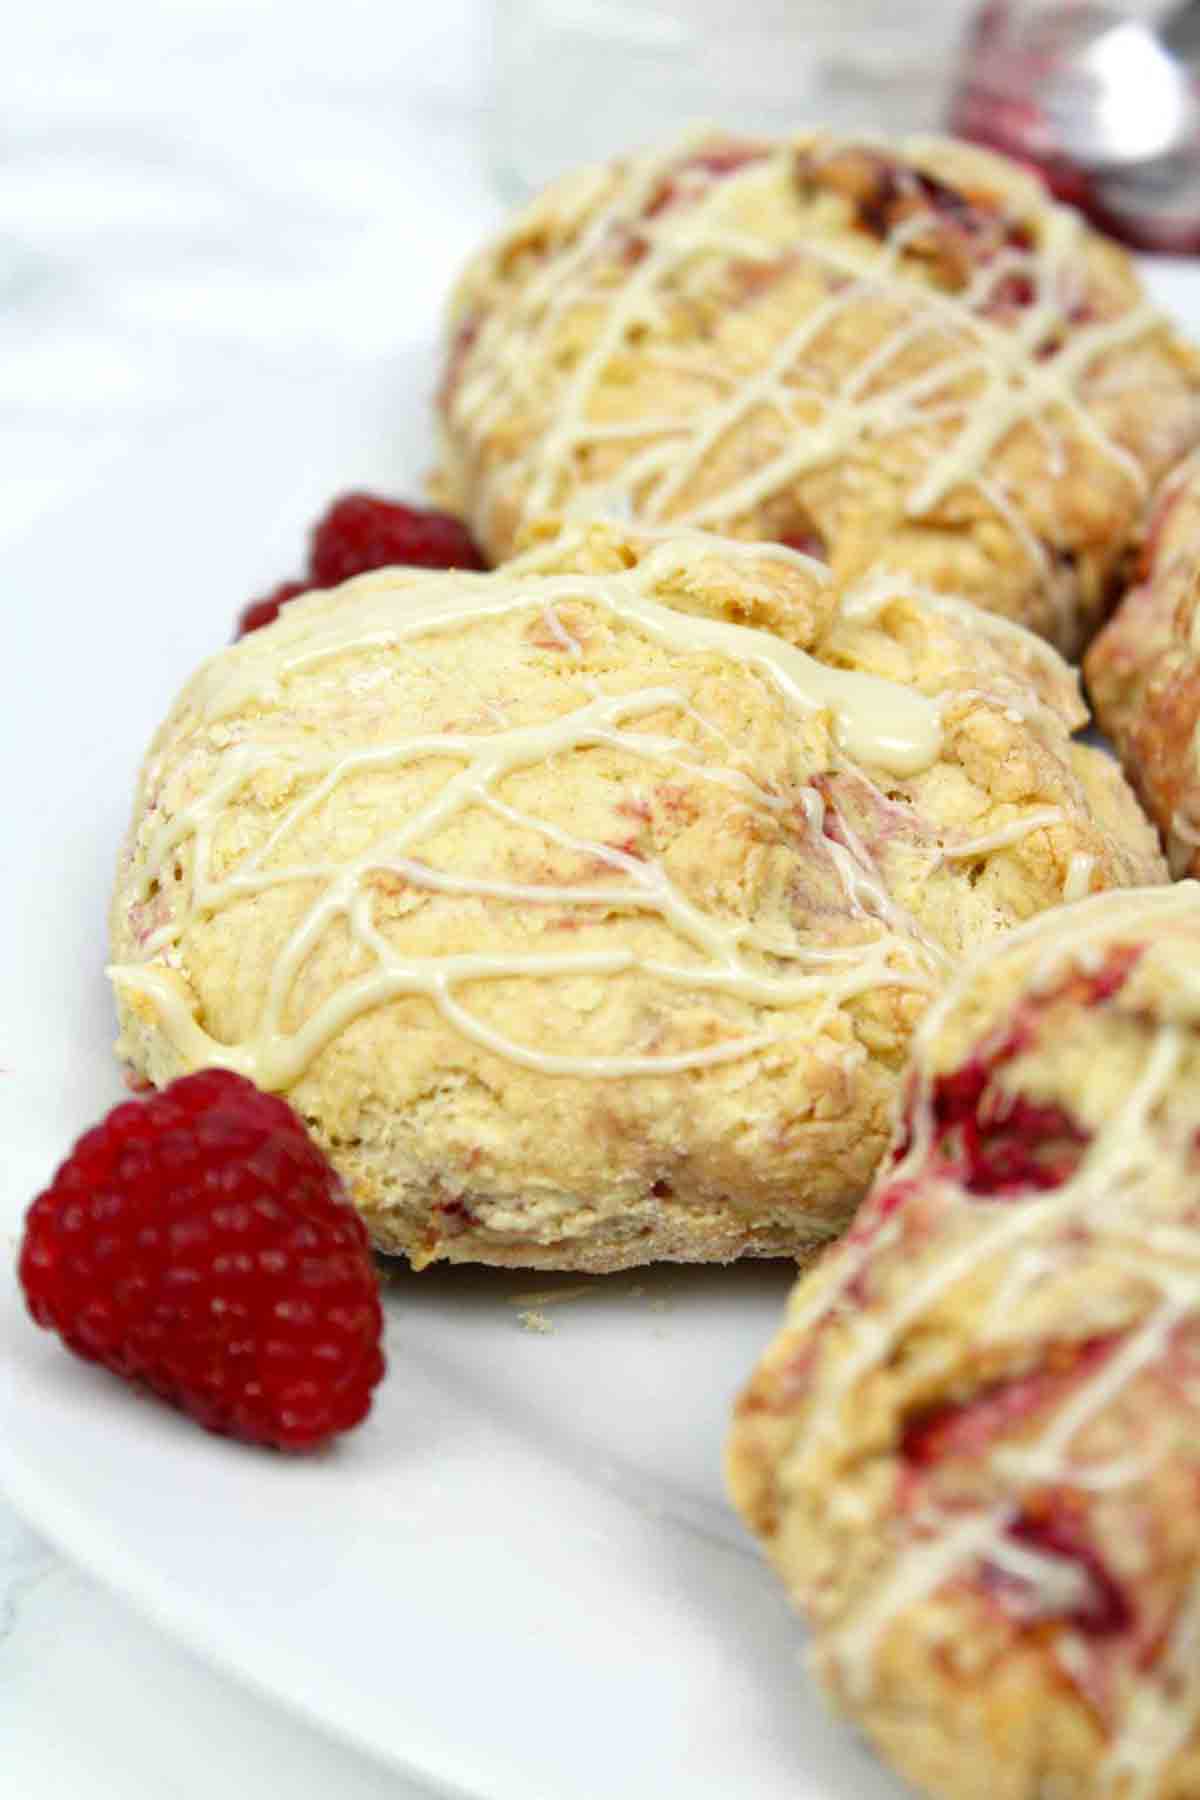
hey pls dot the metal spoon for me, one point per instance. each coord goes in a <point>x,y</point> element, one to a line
<point>1122,103</point>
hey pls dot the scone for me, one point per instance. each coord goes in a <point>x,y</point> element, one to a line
<point>899,356</point>
<point>973,1453</point>
<point>1144,670</point>
<point>585,909</point>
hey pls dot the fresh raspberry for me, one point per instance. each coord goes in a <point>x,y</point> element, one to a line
<point>262,612</point>
<point>361,532</point>
<point>199,1242</point>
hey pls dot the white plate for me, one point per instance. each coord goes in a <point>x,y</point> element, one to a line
<point>520,1581</point>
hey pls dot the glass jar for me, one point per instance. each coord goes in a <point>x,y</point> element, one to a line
<point>1102,99</point>
<point>580,80</point>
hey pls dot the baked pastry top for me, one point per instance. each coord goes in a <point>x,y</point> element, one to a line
<point>890,355</point>
<point>973,1452</point>
<point>584,909</point>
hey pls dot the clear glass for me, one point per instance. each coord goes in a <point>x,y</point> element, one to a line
<point>579,80</point>
<point>1104,100</point>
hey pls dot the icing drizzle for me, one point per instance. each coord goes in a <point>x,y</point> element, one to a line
<point>988,379</point>
<point>1116,1193</point>
<point>880,723</point>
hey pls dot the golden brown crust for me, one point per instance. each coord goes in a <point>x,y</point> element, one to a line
<point>972,1451</point>
<point>305,950</point>
<point>904,357</point>
<point>1143,670</point>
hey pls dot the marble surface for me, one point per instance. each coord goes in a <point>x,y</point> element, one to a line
<point>199,202</point>
<point>96,1705</point>
<point>199,195</point>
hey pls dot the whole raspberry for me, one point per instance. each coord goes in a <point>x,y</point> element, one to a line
<point>199,1242</point>
<point>262,612</point>
<point>361,532</point>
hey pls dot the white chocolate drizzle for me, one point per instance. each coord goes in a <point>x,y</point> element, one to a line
<point>1124,1193</point>
<point>866,599</point>
<point>1004,835</point>
<point>1079,876</point>
<point>887,726</point>
<point>988,382</point>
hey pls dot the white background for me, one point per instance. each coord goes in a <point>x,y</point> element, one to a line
<point>203,204</point>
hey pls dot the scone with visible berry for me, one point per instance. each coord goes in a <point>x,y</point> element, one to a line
<point>901,355</point>
<point>584,909</point>
<point>358,532</point>
<point>973,1452</point>
<point>1143,671</point>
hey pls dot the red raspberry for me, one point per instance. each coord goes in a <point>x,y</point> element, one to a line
<point>262,612</point>
<point>198,1241</point>
<point>361,532</point>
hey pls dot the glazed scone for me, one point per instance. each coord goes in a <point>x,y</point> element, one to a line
<point>1143,670</point>
<point>973,1453</point>
<point>585,924</point>
<point>903,356</point>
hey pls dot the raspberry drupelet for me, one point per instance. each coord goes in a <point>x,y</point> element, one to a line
<point>199,1243</point>
<point>361,532</point>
